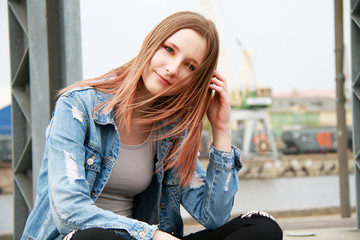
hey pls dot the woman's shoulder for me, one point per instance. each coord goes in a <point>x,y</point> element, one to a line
<point>82,94</point>
<point>87,97</point>
<point>84,97</point>
<point>84,90</point>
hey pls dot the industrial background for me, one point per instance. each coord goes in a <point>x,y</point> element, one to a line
<point>45,50</point>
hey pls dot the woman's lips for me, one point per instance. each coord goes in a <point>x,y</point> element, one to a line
<point>162,80</point>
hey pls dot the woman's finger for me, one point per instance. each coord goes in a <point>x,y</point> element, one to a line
<point>219,76</point>
<point>217,82</point>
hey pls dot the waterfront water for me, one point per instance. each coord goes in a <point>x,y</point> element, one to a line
<point>289,194</point>
<point>278,194</point>
<point>297,193</point>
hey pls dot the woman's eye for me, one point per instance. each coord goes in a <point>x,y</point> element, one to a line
<point>169,49</point>
<point>190,66</point>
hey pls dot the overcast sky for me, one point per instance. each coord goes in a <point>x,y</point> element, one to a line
<point>291,41</point>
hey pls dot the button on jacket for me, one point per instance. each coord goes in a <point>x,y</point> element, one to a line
<point>82,146</point>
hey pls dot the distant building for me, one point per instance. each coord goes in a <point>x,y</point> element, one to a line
<point>5,120</point>
<point>304,110</point>
<point>5,124</point>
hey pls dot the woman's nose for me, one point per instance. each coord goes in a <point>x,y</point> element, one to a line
<point>173,66</point>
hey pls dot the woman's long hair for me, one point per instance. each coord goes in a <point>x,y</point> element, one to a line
<point>184,110</point>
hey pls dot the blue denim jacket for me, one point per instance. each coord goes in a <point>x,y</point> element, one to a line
<point>81,148</point>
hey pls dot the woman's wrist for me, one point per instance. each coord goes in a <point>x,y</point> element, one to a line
<point>222,139</point>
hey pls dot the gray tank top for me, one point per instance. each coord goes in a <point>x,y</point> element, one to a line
<point>131,175</point>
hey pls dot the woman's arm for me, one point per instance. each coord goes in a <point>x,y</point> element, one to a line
<point>69,192</point>
<point>218,113</point>
<point>209,197</point>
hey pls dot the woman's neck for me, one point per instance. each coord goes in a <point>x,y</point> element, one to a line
<point>138,131</point>
<point>141,95</point>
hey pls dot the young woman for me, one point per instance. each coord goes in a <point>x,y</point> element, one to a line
<point>121,150</point>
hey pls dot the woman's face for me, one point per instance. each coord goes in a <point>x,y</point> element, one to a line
<point>174,61</point>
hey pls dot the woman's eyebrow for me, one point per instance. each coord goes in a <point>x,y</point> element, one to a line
<point>173,45</point>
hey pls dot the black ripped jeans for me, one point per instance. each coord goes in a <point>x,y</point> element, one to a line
<point>256,227</point>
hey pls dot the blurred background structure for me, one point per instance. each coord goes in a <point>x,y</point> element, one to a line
<point>282,134</point>
<point>45,50</point>
<point>355,58</point>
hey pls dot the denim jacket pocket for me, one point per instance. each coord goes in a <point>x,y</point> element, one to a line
<point>92,165</point>
<point>173,189</point>
<point>170,218</point>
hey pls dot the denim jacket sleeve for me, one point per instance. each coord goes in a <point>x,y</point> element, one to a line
<point>69,192</point>
<point>209,197</point>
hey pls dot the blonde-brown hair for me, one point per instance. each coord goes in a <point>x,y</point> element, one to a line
<point>185,110</point>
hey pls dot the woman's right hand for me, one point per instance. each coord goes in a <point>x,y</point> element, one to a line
<point>160,235</point>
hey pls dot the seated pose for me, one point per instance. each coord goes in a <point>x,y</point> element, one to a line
<point>121,150</point>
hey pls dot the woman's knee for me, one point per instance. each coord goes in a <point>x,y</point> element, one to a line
<point>255,226</point>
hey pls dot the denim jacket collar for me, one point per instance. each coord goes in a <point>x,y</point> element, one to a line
<point>100,115</point>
